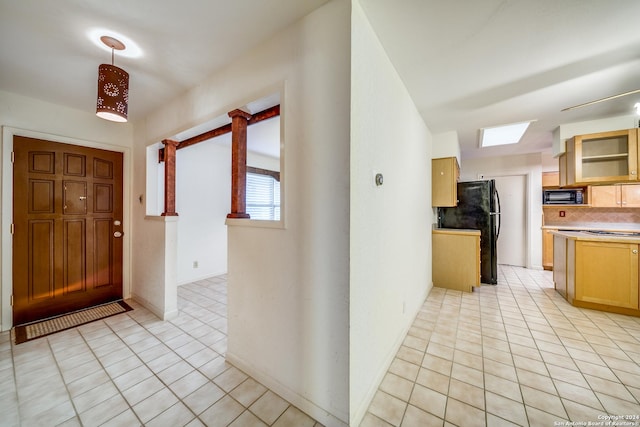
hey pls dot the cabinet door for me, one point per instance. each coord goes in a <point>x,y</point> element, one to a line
<point>604,196</point>
<point>560,264</point>
<point>456,260</point>
<point>550,179</point>
<point>547,249</point>
<point>607,273</point>
<point>444,181</point>
<point>603,157</point>
<point>630,196</point>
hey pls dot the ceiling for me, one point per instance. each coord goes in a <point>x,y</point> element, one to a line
<point>470,64</point>
<point>467,64</point>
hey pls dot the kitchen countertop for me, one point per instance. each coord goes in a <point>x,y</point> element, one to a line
<point>586,236</point>
<point>456,231</point>
<point>620,227</point>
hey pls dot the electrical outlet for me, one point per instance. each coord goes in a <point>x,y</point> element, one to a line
<point>195,264</point>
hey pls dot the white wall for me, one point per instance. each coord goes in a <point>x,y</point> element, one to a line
<point>203,200</point>
<point>529,165</point>
<point>446,144</point>
<point>390,225</point>
<point>288,285</point>
<point>33,118</point>
<point>569,130</point>
<point>203,197</point>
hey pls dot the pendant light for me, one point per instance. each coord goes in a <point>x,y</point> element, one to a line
<point>113,86</point>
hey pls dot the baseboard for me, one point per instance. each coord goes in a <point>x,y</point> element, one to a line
<point>306,406</point>
<point>159,312</point>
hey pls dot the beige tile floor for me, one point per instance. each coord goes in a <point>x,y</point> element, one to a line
<point>511,354</point>
<point>133,369</point>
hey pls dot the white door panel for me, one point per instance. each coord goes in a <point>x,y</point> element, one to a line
<point>512,242</point>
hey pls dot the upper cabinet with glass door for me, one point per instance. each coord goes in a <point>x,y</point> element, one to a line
<point>600,158</point>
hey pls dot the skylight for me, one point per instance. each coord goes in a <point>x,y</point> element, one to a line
<point>503,135</point>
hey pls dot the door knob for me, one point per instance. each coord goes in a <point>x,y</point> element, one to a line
<point>117,234</point>
<point>635,251</point>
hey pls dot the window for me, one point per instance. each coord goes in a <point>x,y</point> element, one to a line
<point>263,196</point>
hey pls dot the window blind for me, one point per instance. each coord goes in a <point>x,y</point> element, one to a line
<point>263,197</point>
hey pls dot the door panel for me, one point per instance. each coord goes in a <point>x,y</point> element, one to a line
<point>74,256</point>
<point>512,243</point>
<point>41,272</point>
<point>75,197</point>
<point>67,201</point>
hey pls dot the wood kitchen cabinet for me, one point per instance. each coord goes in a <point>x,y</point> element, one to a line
<point>604,157</point>
<point>612,196</point>
<point>597,272</point>
<point>456,259</point>
<point>607,273</point>
<point>547,248</point>
<point>445,173</point>
<point>561,248</point>
<point>550,179</point>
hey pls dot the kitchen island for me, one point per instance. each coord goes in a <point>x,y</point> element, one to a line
<point>597,270</point>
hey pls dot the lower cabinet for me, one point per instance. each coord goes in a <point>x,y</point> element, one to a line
<point>597,274</point>
<point>547,248</point>
<point>607,273</point>
<point>456,259</point>
<point>560,257</point>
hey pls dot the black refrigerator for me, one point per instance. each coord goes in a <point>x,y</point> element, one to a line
<point>478,209</point>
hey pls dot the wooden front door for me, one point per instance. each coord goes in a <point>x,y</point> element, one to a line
<point>67,216</point>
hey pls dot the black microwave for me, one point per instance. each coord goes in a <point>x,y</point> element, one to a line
<point>562,197</point>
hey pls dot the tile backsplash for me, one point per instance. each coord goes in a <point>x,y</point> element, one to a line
<point>584,215</point>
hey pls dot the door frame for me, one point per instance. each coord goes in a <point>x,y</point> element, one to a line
<point>6,251</point>
<point>530,210</point>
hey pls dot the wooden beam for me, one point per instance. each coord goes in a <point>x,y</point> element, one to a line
<point>205,136</point>
<point>255,118</point>
<point>265,114</point>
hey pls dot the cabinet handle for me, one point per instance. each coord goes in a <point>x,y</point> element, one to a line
<point>635,251</point>
<point>633,172</point>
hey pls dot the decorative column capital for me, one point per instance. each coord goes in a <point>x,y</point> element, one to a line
<point>239,113</point>
<point>170,143</point>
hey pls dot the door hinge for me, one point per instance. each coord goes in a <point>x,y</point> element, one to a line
<point>13,228</point>
<point>11,300</point>
<point>13,156</point>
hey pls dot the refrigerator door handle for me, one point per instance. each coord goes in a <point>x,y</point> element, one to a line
<point>498,215</point>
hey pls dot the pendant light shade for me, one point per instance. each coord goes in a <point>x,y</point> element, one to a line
<point>113,93</point>
<point>113,87</point>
